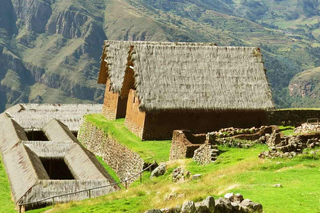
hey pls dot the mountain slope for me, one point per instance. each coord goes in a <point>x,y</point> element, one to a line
<point>50,49</point>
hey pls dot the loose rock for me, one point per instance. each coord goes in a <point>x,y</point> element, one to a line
<point>160,170</point>
<point>188,207</point>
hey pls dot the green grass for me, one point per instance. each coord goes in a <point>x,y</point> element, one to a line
<point>6,204</point>
<point>109,170</point>
<point>287,130</point>
<point>236,170</point>
<point>148,150</point>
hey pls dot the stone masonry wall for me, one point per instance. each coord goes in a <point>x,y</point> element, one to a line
<point>121,159</point>
<point>291,117</point>
<point>203,154</point>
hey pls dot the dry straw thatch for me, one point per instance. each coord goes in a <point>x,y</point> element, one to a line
<point>28,178</point>
<point>35,116</point>
<point>190,75</point>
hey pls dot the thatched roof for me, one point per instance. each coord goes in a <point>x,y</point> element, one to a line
<point>10,133</point>
<point>47,188</point>
<point>55,130</point>
<point>28,178</point>
<point>190,75</point>
<point>49,149</point>
<point>35,116</point>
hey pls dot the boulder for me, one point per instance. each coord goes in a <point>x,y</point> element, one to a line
<point>154,211</point>
<point>200,208</point>
<point>237,198</point>
<point>209,203</point>
<point>229,196</point>
<point>176,209</point>
<point>223,205</point>
<point>160,170</point>
<point>274,139</point>
<point>188,207</point>
<point>250,207</point>
<point>179,175</point>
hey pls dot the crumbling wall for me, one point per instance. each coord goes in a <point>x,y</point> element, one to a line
<point>121,159</point>
<point>182,147</point>
<point>203,155</point>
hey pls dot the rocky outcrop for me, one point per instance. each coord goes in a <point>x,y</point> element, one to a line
<point>33,14</point>
<point>68,23</point>
<point>305,84</point>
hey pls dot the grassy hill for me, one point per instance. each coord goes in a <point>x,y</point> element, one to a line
<point>236,170</point>
<point>50,50</point>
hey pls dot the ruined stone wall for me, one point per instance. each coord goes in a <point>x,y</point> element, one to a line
<point>134,118</point>
<point>178,146</point>
<point>203,155</point>
<point>291,117</point>
<point>110,103</point>
<point>121,159</point>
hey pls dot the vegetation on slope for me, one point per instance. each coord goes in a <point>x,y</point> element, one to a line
<point>6,204</point>
<point>148,150</point>
<point>57,44</point>
<point>236,170</point>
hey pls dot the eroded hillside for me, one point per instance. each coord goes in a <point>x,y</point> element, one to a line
<point>50,49</point>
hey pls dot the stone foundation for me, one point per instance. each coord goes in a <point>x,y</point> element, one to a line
<point>121,159</point>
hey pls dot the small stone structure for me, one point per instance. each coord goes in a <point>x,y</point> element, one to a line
<point>231,203</point>
<point>203,147</point>
<point>200,147</point>
<point>289,146</point>
<point>306,128</point>
<point>122,160</point>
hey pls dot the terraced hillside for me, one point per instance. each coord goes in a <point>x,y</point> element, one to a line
<point>50,49</point>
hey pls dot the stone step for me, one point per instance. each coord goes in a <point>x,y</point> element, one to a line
<point>214,150</point>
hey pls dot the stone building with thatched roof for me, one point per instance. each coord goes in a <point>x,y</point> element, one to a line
<point>161,86</point>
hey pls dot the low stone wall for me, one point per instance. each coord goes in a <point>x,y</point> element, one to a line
<point>121,159</point>
<point>307,128</point>
<point>291,117</point>
<point>182,147</point>
<point>203,155</point>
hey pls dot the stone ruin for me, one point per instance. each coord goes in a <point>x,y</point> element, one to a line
<point>203,148</point>
<point>309,127</point>
<point>200,147</point>
<point>284,146</point>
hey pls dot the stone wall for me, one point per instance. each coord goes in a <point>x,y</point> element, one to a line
<point>203,155</point>
<point>181,146</point>
<point>121,159</point>
<point>291,117</point>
